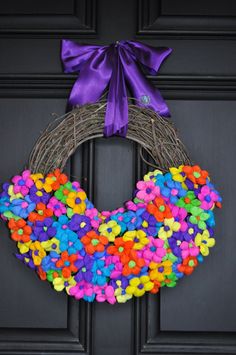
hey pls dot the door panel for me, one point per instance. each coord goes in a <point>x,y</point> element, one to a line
<point>198,81</point>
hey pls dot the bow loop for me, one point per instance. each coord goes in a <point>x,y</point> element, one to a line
<point>112,67</point>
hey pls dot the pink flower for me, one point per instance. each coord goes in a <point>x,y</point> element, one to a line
<point>180,215</point>
<point>81,289</point>
<point>105,293</point>
<point>57,206</point>
<point>207,198</point>
<point>188,249</point>
<point>92,213</point>
<point>147,191</point>
<point>154,251</point>
<point>22,183</point>
<point>118,266</point>
<point>131,206</point>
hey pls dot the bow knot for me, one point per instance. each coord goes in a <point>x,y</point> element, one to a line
<point>114,67</point>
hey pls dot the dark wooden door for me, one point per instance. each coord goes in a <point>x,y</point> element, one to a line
<point>199,82</point>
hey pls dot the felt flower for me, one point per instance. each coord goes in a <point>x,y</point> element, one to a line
<point>154,251</point>
<point>70,242</point>
<point>20,230</point>
<point>188,265</point>
<point>198,217</point>
<point>139,238</point>
<point>178,174</point>
<point>121,248</point>
<point>41,213</point>
<point>189,201</point>
<point>38,196</point>
<point>4,204</point>
<point>101,272</point>
<point>175,242</point>
<point>94,243</point>
<point>189,249</point>
<point>159,271</point>
<point>84,266</point>
<point>26,259</point>
<point>58,179</point>
<point>105,293</point>
<point>133,220</point>
<point>149,224</point>
<point>172,190</point>
<point>67,264</point>
<point>76,200</point>
<point>44,230</point>
<point>57,206</point>
<point>204,242</point>
<point>120,292</point>
<point>24,247</point>
<point>110,230</point>
<point>147,191</point>
<point>22,183</point>
<point>120,220</point>
<point>52,274</point>
<point>61,283</point>
<point>133,264</point>
<point>151,176</point>
<point>80,224</point>
<point>191,231</point>
<point>180,215</point>
<point>13,195</point>
<point>170,226</point>
<point>207,197</point>
<point>52,245</point>
<point>83,290</point>
<point>22,207</point>
<point>195,174</point>
<point>38,252</point>
<point>139,285</point>
<point>94,217</point>
<point>170,280</point>
<point>159,209</point>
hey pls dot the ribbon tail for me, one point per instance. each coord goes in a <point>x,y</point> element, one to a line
<point>93,79</point>
<point>142,90</point>
<point>116,118</point>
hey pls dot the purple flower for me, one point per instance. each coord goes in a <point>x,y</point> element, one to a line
<point>43,230</point>
<point>39,195</point>
<point>84,266</point>
<point>149,224</point>
<point>80,224</point>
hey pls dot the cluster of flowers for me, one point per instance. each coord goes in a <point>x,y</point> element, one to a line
<point>159,236</point>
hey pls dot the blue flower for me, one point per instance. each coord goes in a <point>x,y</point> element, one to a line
<point>101,272</point>
<point>69,241</point>
<point>22,207</point>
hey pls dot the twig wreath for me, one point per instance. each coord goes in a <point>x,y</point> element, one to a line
<point>152,241</point>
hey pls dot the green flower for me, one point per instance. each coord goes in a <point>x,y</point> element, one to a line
<point>169,255</point>
<point>62,193</point>
<point>188,201</point>
<point>198,217</point>
<point>170,280</point>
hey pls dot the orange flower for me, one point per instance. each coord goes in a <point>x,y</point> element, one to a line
<point>195,174</point>
<point>59,179</point>
<point>20,231</point>
<point>159,209</point>
<point>94,242</point>
<point>156,286</point>
<point>42,213</point>
<point>41,273</point>
<point>66,262</point>
<point>121,248</point>
<point>132,264</point>
<point>188,265</point>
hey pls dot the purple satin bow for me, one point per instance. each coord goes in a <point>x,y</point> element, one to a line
<point>114,66</point>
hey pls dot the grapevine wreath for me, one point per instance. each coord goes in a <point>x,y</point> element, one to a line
<point>152,241</point>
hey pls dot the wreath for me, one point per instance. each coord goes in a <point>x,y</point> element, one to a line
<point>156,238</point>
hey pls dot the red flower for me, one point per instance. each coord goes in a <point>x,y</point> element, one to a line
<point>195,174</point>
<point>94,242</point>
<point>66,262</point>
<point>159,209</point>
<point>121,248</point>
<point>132,264</point>
<point>188,265</point>
<point>42,213</point>
<point>20,231</point>
<point>59,179</point>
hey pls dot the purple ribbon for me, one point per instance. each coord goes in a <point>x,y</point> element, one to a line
<point>115,66</point>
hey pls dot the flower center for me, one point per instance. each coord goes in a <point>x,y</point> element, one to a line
<point>166,228</point>
<point>21,182</point>
<point>196,174</point>
<point>82,224</point>
<point>190,231</point>
<point>66,283</point>
<point>140,286</point>
<point>109,230</point>
<point>83,269</point>
<point>65,192</point>
<point>77,200</point>
<point>40,212</point>
<point>45,229</point>
<point>153,248</point>
<point>148,190</point>
<point>136,240</point>
<point>54,246</point>
<point>145,224</point>
<point>39,193</point>
<point>120,249</point>
<point>191,263</point>
<point>95,242</point>
<point>207,198</point>
<point>161,269</point>
<point>132,264</point>
<point>67,263</point>
<point>162,208</point>
<point>187,200</point>
<point>20,231</point>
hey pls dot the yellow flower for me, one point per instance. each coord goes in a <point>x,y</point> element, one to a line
<point>12,194</point>
<point>204,242</point>
<point>38,253</point>
<point>170,226</point>
<point>59,283</point>
<point>177,176</point>
<point>51,245</point>
<point>24,247</point>
<point>110,230</point>
<point>120,293</point>
<point>75,200</point>
<point>159,271</point>
<point>36,177</point>
<point>139,285</point>
<point>152,175</point>
<point>139,238</point>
